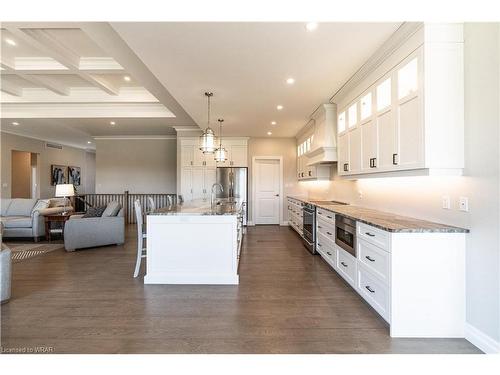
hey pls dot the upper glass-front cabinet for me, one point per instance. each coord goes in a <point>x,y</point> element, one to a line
<point>366,106</point>
<point>408,79</point>
<point>384,95</point>
<point>341,123</point>
<point>353,115</point>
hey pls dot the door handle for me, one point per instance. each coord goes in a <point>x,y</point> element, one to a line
<point>277,195</point>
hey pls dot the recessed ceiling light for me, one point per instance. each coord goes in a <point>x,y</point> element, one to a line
<point>290,81</point>
<point>273,122</point>
<point>127,78</point>
<point>89,142</point>
<point>15,123</point>
<point>279,107</point>
<point>10,42</point>
<point>269,133</point>
<point>112,123</point>
<point>311,26</point>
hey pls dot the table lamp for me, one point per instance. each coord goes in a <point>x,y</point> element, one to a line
<point>65,190</point>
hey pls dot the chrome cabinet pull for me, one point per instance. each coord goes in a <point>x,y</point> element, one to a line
<point>369,289</point>
<point>345,265</point>
<point>369,234</point>
<point>329,217</point>
<point>330,234</point>
<point>370,259</point>
<point>329,253</point>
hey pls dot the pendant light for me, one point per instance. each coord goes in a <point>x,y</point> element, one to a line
<point>207,139</point>
<point>220,153</point>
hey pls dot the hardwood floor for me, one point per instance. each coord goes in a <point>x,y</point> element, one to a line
<point>288,301</point>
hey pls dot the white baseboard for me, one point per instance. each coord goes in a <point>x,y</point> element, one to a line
<point>250,224</point>
<point>481,340</point>
<point>284,223</point>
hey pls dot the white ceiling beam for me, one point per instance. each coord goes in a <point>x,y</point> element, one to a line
<point>101,83</point>
<point>11,88</point>
<point>48,83</point>
<point>47,44</point>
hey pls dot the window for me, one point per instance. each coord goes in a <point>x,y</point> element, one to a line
<point>353,115</point>
<point>298,150</point>
<point>308,144</point>
<point>366,106</point>
<point>408,79</point>
<point>341,123</point>
<point>384,94</point>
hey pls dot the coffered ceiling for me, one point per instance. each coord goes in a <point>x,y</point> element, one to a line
<point>58,83</point>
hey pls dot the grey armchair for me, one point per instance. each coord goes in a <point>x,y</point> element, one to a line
<point>80,232</point>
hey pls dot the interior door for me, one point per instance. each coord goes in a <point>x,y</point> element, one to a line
<point>267,191</point>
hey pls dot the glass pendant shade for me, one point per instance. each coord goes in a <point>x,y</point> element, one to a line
<point>207,141</point>
<point>221,154</point>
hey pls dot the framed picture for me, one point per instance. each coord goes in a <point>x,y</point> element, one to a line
<point>58,174</point>
<point>74,175</point>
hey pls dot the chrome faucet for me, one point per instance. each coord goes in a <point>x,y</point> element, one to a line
<point>214,192</point>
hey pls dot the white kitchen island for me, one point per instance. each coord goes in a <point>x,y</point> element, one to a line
<point>194,243</point>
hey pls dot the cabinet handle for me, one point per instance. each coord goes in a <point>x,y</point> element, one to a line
<point>345,265</point>
<point>319,226</point>
<point>369,289</point>
<point>374,162</point>
<point>191,162</point>
<point>329,253</point>
<point>345,167</point>
<point>319,244</point>
<point>328,216</point>
<point>394,157</point>
<point>309,173</point>
<point>370,259</point>
<point>329,233</point>
<point>371,162</point>
<point>369,234</point>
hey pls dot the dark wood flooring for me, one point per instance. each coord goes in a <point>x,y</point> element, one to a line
<point>288,301</point>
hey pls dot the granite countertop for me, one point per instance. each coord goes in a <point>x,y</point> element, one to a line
<point>385,220</point>
<point>223,206</point>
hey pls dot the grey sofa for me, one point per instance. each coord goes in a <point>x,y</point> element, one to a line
<point>109,229</point>
<point>25,217</point>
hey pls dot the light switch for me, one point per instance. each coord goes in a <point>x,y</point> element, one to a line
<point>446,205</point>
<point>463,204</point>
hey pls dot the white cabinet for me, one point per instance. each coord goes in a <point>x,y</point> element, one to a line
<point>304,170</point>
<point>409,109</point>
<point>295,215</point>
<point>197,171</point>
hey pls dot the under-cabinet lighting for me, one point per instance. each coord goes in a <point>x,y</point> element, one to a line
<point>15,123</point>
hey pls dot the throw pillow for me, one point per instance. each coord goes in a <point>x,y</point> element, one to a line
<point>112,209</point>
<point>94,212</point>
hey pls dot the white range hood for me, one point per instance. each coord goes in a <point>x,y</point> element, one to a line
<point>324,143</point>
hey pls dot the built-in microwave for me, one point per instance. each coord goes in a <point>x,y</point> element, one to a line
<point>345,233</point>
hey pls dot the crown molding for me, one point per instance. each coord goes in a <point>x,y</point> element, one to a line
<point>133,137</point>
<point>186,128</point>
<point>66,144</point>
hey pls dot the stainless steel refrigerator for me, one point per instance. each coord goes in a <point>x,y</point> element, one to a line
<point>235,184</point>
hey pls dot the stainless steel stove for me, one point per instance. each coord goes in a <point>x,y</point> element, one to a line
<point>309,230</point>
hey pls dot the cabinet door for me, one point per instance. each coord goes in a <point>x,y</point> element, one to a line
<point>210,179</point>
<point>343,154</point>
<point>186,183</point>
<point>199,157</point>
<point>187,156</point>
<point>198,183</point>
<point>369,146</point>
<point>355,150</point>
<point>209,160</point>
<point>238,156</point>
<point>410,134</point>
<point>387,141</point>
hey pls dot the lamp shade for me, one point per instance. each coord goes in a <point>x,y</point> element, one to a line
<point>65,190</point>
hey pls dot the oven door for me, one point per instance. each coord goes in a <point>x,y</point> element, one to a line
<point>345,237</point>
<point>308,229</point>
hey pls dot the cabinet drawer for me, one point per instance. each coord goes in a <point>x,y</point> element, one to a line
<point>374,236</point>
<point>327,250</point>
<point>326,229</point>
<point>374,291</point>
<point>325,215</point>
<point>375,259</point>
<point>346,265</point>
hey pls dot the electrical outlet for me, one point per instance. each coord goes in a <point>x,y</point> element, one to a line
<point>463,204</point>
<point>446,205</point>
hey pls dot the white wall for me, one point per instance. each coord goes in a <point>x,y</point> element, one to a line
<point>48,156</point>
<point>136,165</point>
<point>421,196</point>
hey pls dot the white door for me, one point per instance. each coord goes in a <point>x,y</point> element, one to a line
<point>267,191</point>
